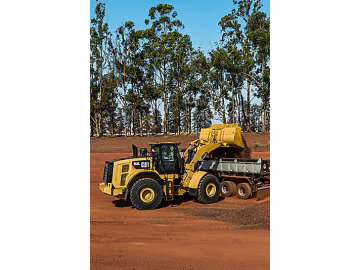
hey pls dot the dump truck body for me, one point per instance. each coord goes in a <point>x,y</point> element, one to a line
<point>164,173</point>
<point>233,165</point>
<point>235,172</point>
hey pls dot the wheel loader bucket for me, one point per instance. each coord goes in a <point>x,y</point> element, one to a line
<point>262,193</point>
<point>227,134</point>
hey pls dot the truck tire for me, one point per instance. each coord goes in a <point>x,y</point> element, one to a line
<point>146,194</point>
<point>227,188</point>
<point>243,191</point>
<point>208,189</point>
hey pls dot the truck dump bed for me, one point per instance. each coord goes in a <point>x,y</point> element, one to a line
<point>233,165</point>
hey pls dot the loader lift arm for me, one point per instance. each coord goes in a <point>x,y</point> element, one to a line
<point>222,135</point>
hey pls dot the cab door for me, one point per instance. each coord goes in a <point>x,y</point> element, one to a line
<point>167,159</point>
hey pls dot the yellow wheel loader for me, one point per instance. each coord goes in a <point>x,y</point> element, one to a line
<point>214,165</point>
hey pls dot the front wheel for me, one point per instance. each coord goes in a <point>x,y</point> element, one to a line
<point>208,189</point>
<point>146,194</point>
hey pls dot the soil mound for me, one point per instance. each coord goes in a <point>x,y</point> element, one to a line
<point>246,216</point>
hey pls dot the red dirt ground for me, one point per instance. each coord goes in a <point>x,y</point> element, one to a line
<point>230,234</point>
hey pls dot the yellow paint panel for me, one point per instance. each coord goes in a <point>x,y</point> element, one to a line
<point>194,182</point>
<point>117,191</point>
<point>106,189</point>
<point>109,190</point>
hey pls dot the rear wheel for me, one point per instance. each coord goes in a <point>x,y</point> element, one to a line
<point>227,188</point>
<point>243,191</point>
<point>208,189</point>
<point>146,194</point>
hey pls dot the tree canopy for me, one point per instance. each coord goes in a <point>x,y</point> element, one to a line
<point>152,80</point>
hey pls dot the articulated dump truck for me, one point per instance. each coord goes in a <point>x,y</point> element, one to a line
<point>212,166</point>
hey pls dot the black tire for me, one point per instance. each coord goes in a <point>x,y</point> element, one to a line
<point>138,194</point>
<point>208,189</point>
<point>234,186</point>
<point>227,188</point>
<point>243,191</point>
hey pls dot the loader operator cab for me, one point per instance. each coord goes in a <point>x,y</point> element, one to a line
<point>166,158</point>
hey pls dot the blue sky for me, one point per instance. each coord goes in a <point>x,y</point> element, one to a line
<point>200,17</point>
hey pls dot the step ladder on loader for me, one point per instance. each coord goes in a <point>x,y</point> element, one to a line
<point>169,190</point>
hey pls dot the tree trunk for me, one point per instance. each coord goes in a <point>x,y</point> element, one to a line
<point>140,124</point>
<point>165,114</point>
<point>91,128</point>
<point>243,109</point>
<point>263,128</point>
<point>237,101</point>
<point>112,118</point>
<point>179,120</point>
<point>156,117</point>
<point>97,128</point>
<point>125,116</point>
<point>248,106</point>
<point>232,102</point>
<point>98,125</point>
<point>178,126</point>
<point>186,119</point>
<point>222,106</point>
<point>132,125</point>
<point>223,111</point>
<point>189,119</point>
<point>178,110</point>
<point>264,98</point>
<point>165,96</point>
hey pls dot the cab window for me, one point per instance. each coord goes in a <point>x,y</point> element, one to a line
<point>167,153</point>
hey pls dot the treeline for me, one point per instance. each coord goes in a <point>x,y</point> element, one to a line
<point>152,80</point>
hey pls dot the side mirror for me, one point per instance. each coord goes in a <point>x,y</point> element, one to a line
<point>143,152</point>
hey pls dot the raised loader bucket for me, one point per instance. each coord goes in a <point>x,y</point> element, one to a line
<point>227,134</point>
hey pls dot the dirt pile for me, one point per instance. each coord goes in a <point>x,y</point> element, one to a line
<point>251,218</point>
<point>245,215</point>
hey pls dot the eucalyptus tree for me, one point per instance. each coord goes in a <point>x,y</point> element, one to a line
<point>110,114</point>
<point>152,94</point>
<point>237,34</point>
<point>137,76</point>
<point>159,47</point>
<point>203,113</point>
<point>122,63</point>
<point>182,81</point>
<point>99,36</point>
<point>151,90</point>
<point>259,35</point>
<point>235,81</point>
<point>219,59</point>
<point>198,90</point>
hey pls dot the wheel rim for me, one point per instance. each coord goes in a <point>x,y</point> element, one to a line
<point>225,189</point>
<point>210,189</point>
<point>147,195</point>
<point>241,191</point>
